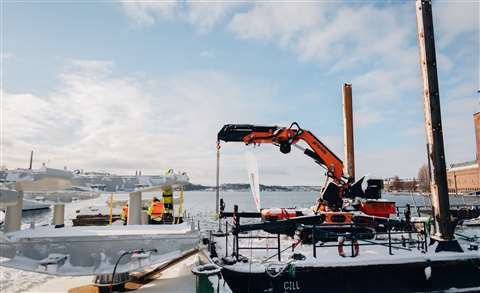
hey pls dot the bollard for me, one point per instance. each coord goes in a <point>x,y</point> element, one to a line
<point>134,208</point>
<point>13,214</point>
<point>59,215</point>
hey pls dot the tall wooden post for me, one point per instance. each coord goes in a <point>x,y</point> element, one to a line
<point>348,131</point>
<point>433,125</point>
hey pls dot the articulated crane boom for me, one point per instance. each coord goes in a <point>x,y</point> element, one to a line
<point>284,138</point>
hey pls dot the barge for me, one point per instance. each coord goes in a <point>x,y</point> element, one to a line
<point>401,258</point>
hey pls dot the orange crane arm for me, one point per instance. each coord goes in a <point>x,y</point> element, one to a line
<point>285,138</point>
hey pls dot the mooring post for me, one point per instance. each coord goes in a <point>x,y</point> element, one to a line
<point>59,215</point>
<point>134,208</point>
<point>433,125</point>
<point>13,213</point>
<point>348,131</point>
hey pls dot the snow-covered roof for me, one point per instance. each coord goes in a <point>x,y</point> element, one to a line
<point>463,166</point>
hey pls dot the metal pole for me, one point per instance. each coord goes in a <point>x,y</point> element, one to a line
<point>348,131</point>
<point>217,198</point>
<point>278,248</point>
<point>455,179</point>
<point>390,241</point>
<point>433,125</point>
<point>31,160</point>
<point>236,223</point>
<point>226,238</point>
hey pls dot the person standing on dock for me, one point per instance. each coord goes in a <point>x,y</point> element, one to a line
<point>124,214</point>
<point>155,211</point>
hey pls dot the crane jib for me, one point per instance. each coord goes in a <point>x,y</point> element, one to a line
<point>237,132</point>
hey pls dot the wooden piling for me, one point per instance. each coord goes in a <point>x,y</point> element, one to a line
<point>348,131</point>
<point>433,124</point>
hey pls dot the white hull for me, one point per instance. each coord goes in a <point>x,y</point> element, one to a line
<point>91,250</point>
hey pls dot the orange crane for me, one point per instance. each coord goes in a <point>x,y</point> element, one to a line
<point>284,138</point>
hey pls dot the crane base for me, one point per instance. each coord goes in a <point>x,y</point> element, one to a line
<point>448,245</point>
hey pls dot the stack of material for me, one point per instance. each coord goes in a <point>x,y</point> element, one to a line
<point>96,216</point>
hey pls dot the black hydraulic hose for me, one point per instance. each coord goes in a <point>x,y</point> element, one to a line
<point>154,250</point>
<point>296,124</point>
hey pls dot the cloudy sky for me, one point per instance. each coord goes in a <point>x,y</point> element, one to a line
<point>122,86</point>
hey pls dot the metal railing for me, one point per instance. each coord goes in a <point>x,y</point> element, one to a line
<point>356,238</point>
<point>353,239</point>
<point>237,247</point>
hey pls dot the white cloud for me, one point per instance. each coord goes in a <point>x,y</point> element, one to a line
<point>96,120</point>
<point>276,20</point>
<point>203,15</point>
<point>6,55</point>
<point>145,13</point>
<point>364,117</point>
<point>454,18</point>
<point>207,54</point>
<point>371,45</point>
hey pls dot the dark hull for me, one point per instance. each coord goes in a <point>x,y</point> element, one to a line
<point>406,277</point>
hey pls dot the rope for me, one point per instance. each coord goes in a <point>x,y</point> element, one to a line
<point>285,266</point>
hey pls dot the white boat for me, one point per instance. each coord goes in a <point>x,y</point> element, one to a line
<point>94,250</point>
<point>472,222</point>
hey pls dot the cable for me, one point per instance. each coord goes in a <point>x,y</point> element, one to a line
<point>154,250</point>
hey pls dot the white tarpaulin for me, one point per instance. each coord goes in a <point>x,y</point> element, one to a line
<point>252,169</point>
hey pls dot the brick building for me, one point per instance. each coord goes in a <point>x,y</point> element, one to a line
<point>465,177</point>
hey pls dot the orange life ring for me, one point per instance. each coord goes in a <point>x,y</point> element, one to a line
<point>275,214</point>
<point>356,247</point>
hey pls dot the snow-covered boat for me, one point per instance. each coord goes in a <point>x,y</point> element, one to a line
<point>92,250</point>
<point>393,261</point>
<point>472,222</point>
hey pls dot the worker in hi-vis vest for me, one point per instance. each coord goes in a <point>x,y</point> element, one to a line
<point>155,211</point>
<point>124,214</point>
<point>168,205</point>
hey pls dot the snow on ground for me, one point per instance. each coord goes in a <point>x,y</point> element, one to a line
<point>177,278</point>
<point>12,280</point>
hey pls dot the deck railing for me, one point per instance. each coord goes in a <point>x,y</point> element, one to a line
<point>356,238</point>
<point>352,239</point>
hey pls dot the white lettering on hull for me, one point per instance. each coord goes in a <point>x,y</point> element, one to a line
<point>291,286</point>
